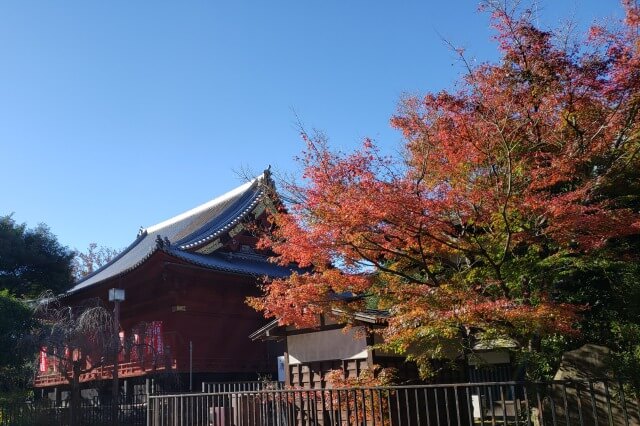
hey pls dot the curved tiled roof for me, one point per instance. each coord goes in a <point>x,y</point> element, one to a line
<point>190,230</point>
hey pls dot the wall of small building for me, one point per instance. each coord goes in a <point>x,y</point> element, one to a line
<point>313,354</point>
<point>327,345</point>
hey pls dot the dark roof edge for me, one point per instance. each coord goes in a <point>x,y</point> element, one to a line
<point>177,254</point>
<point>135,242</point>
<point>119,274</point>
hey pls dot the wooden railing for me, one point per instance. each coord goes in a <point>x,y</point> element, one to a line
<point>125,369</point>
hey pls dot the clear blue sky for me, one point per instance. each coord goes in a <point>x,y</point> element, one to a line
<point>119,114</point>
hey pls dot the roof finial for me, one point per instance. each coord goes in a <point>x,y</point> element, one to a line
<point>159,242</point>
<point>267,180</point>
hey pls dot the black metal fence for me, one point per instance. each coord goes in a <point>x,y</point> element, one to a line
<point>267,404</point>
<point>92,412</point>
<point>496,403</point>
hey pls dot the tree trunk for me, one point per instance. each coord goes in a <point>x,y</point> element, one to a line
<point>75,406</point>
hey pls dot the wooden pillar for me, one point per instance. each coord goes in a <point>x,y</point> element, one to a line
<point>287,373</point>
<point>370,344</point>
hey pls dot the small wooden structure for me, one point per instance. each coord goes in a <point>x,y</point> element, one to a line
<point>311,353</point>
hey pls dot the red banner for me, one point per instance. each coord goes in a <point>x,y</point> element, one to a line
<point>153,338</point>
<point>121,348</point>
<point>135,350</point>
<point>43,359</point>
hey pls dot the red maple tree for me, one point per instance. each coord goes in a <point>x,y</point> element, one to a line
<point>512,169</point>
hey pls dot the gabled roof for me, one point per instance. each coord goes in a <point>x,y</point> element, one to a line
<point>274,331</point>
<point>183,234</point>
<point>372,316</point>
<point>268,331</point>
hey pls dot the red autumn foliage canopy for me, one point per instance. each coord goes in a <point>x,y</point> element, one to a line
<point>529,159</point>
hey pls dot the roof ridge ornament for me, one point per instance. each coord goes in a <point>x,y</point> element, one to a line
<point>267,179</point>
<point>160,242</point>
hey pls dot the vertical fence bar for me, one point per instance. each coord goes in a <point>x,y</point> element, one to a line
<point>637,398</point>
<point>284,400</point>
<point>608,399</point>
<point>503,401</point>
<point>516,404</point>
<point>398,410</point>
<point>339,401</point>
<point>365,413</point>
<point>380,407</point>
<point>525,394</point>
<point>322,406</point>
<point>332,414</point>
<point>291,408</point>
<point>492,405</point>
<point>315,407</point>
<point>286,408</point>
<point>355,406</point>
<point>566,404</point>
<point>260,411</point>
<point>435,397</point>
<point>426,406</point>
<point>148,411</point>
<point>406,404</point>
<point>540,413</point>
<point>455,395</point>
<point>304,408</point>
<point>549,390</point>
<point>176,410</point>
<point>216,409</point>
<point>300,408</point>
<point>261,407</point>
<point>579,399</point>
<point>389,412</point>
<point>251,407</point>
<point>310,409</point>
<point>446,405</point>
<point>623,401</point>
<point>205,411</point>
<point>593,402</point>
<point>481,408</point>
<point>417,410</point>
<point>467,392</point>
